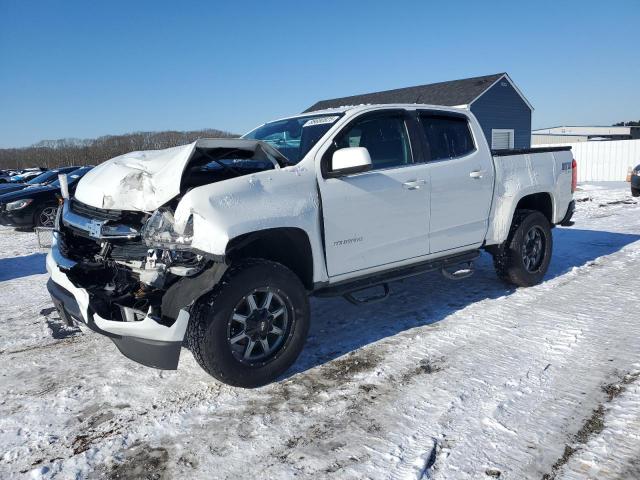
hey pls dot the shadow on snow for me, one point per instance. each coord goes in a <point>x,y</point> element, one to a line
<point>17,267</point>
<point>338,327</point>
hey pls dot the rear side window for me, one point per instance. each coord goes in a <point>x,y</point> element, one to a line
<point>385,137</point>
<point>447,137</point>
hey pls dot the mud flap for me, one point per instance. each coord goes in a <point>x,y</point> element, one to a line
<point>566,221</point>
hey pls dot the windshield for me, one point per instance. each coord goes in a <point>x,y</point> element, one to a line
<point>73,177</point>
<point>294,137</point>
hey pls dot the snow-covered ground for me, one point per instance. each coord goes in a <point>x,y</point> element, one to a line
<point>454,380</point>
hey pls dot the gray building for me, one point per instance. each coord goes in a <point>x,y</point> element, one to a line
<point>573,134</point>
<point>502,110</point>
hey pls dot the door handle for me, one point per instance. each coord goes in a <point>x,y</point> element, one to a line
<point>414,184</point>
<point>477,174</point>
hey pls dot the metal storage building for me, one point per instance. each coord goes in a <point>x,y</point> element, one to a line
<point>502,110</point>
<point>573,134</point>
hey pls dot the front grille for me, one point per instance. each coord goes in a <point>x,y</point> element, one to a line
<point>95,213</point>
<point>77,247</point>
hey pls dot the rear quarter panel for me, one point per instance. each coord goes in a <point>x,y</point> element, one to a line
<point>524,174</point>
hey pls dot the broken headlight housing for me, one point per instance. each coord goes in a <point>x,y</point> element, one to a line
<point>160,231</point>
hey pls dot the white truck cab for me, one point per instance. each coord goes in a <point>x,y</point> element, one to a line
<point>216,245</point>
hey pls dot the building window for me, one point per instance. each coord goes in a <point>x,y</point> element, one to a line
<point>502,139</point>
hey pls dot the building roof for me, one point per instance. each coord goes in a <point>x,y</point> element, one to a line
<point>452,93</point>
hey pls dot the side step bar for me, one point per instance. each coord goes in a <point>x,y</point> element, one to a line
<point>462,271</point>
<point>348,287</point>
<point>351,298</point>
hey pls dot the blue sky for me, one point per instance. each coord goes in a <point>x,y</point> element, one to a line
<point>84,69</point>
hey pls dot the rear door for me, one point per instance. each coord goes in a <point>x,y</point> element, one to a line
<point>461,175</point>
<point>381,216</point>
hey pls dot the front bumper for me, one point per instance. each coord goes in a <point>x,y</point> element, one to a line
<point>146,341</point>
<point>635,181</point>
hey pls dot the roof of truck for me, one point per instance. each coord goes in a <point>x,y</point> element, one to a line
<point>352,109</point>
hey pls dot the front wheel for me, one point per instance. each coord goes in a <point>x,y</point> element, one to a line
<point>525,257</point>
<point>635,192</point>
<point>251,328</point>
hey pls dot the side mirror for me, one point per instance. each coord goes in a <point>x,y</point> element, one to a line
<point>349,160</point>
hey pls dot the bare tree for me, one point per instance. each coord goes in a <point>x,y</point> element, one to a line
<point>68,152</point>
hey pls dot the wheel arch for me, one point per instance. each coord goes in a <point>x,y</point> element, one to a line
<point>539,201</point>
<point>289,246</point>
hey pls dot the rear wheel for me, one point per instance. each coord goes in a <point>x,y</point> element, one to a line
<point>635,192</point>
<point>46,216</point>
<point>525,257</point>
<point>251,328</point>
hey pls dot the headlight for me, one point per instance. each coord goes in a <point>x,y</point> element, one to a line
<point>160,231</point>
<point>19,204</point>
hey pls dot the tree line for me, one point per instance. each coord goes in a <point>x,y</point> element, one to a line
<point>69,152</point>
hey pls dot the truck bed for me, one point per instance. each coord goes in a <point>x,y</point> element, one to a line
<point>545,172</point>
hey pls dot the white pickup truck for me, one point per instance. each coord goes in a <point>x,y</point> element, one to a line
<point>217,245</point>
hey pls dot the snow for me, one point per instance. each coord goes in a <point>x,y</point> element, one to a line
<point>445,380</point>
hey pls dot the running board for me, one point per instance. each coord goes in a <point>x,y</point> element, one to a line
<point>347,288</point>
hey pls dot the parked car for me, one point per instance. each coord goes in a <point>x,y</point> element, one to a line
<point>42,179</point>
<point>5,176</point>
<point>21,175</point>
<point>635,181</point>
<point>35,206</point>
<point>219,243</point>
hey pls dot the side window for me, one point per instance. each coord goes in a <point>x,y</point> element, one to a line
<point>447,137</point>
<point>385,138</point>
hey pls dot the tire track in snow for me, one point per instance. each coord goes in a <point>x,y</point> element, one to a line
<point>561,345</point>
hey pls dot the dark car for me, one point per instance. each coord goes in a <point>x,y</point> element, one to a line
<point>635,181</point>
<point>35,206</point>
<point>5,176</point>
<point>41,179</point>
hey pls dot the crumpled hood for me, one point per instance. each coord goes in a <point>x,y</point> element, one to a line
<point>144,181</point>
<point>140,181</point>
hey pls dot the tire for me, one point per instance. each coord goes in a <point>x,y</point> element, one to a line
<point>525,257</point>
<point>635,192</point>
<point>213,331</point>
<point>45,216</point>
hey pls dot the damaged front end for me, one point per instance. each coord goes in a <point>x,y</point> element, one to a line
<point>130,276</point>
<point>122,261</point>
